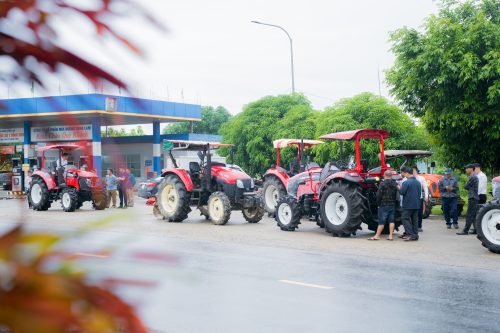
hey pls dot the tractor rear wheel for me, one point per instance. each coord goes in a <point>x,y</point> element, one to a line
<point>99,200</point>
<point>219,208</point>
<point>69,199</point>
<point>173,199</point>
<point>427,209</point>
<point>488,226</point>
<point>39,195</point>
<point>288,213</point>
<point>343,209</point>
<point>255,214</point>
<point>273,190</point>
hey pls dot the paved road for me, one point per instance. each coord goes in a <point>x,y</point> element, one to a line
<point>250,278</point>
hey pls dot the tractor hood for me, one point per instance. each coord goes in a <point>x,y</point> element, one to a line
<point>83,174</point>
<point>228,175</point>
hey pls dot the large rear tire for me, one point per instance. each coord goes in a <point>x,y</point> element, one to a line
<point>273,190</point>
<point>39,195</point>
<point>219,208</point>
<point>427,209</point>
<point>173,199</point>
<point>488,226</point>
<point>69,199</point>
<point>288,213</point>
<point>255,214</point>
<point>99,200</point>
<point>343,209</point>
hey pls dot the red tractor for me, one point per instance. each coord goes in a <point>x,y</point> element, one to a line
<point>67,183</point>
<point>214,188</point>
<point>276,177</point>
<point>341,196</point>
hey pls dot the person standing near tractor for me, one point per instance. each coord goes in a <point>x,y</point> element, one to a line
<point>483,183</point>
<point>111,187</point>
<point>122,187</point>
<point>448,188</point>
<point>472,188</point>
<point>424,195</point>
<point>387,197</point>
<point>411,190</point>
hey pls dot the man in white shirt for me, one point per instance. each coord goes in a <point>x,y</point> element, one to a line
<point>64,160</point>
<point>424,195</point>
<point>483,183</point>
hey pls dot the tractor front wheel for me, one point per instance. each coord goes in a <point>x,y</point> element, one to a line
<point>173,199</point>
<point>488,226</point>
<point>273,190</point>
<point>255,214</point>
<point>39,195</point>
<point>288,213</point>
<point>343,209</point>
<point>219,208</point>
<point>69,199</point>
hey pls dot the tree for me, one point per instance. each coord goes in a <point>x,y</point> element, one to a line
<point>113,132</point>
<point>367,111</point>
<point>212,120</point>
<point>253,130</point>
<point>449,76</point>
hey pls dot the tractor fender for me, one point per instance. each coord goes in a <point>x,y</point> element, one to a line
<point>183,175</point>
<point>350,177</point>
<point>46,177</point>
<point>282,176</point>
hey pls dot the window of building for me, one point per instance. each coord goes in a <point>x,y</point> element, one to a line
<point>131,161</point>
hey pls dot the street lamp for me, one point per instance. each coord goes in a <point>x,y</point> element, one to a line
<point>291,48</point>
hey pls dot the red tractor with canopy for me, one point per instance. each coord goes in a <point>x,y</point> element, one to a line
<point>66,183</point>
<point>276,177</point>
<point>342,196</point>
<point>213,187</point>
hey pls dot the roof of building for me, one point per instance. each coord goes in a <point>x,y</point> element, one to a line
<point>113,110</point>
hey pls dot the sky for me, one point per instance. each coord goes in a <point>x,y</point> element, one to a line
<point>211,54</point>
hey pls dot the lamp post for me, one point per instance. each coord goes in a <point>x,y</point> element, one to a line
<point>291,48</point>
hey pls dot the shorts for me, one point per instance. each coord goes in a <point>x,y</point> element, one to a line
<point>385,215</point>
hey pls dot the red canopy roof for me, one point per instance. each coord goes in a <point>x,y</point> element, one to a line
<point>365,133</point>
<point>66,147</point>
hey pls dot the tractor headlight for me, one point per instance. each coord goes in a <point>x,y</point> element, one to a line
<point>239,183</point>
<point>89,182</point>
<point>252,184</point>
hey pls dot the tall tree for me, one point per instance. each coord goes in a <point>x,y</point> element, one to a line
<point>212,120</point>
<point>449,76</point>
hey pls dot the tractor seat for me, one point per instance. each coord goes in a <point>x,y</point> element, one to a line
<point>218,164</point>
<point>328,170</point>
<point>364,164</point>
<point>194,169</point>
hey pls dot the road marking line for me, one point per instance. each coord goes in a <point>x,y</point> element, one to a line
<point>310,285</point>
<point>91,255</point>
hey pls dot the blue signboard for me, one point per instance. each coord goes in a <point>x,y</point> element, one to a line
<point>148,162</point>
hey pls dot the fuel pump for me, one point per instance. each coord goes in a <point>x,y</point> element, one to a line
<point>17,177</point>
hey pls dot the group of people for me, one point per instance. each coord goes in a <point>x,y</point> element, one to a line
<point>412,193</point>
<point>476,187</point>
<point>123,183</point>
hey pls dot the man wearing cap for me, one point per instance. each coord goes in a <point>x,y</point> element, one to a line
<point>483,183</point>
<point>472,189</point>
<point>448,188</point>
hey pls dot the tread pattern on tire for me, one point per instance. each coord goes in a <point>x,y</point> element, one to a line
<point>272,180</point>
<point>258,214</point>
<point>226,207</point>
<point>44,203</point>
<point>296,215</point>
<point>358,209</point>
<point>495,204</point>
<point>73,194</point>
<point>183,208</point>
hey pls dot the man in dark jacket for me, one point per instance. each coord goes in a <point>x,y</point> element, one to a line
<point>387,196</point>
<point>448,189</point>
<point>472,188</point>
<point>411,191</point>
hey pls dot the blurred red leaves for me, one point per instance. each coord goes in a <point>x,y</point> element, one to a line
<point>34,298</point>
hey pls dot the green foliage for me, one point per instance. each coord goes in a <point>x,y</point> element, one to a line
<point>253,130</point>
<point>367,111</point>
<point>212,120</point>
<point>111,132</point>
<point>449,76</point>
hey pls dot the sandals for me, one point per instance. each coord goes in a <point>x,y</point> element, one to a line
<point>390,239</point>
<point>373,239</point>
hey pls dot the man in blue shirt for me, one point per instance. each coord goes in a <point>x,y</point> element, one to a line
<point>111,187</point>
<point>411,191</point>
<point>448,189</point>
